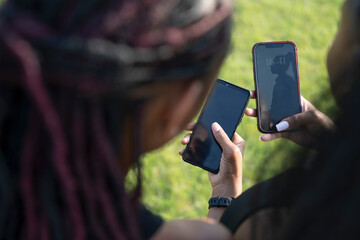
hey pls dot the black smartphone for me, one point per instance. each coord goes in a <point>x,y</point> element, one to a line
<point>276,76</point>
<point>225,105</point>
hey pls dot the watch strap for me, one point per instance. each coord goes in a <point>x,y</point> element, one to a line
<point>220,202</point>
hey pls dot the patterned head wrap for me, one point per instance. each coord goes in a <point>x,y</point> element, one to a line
<point>113,45</point>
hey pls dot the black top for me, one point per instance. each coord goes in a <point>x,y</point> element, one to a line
<point>149,223</point>
<point>275,192</point>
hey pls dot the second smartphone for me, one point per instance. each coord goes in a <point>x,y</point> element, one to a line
<point>225,104</point>
<point>277,85</point>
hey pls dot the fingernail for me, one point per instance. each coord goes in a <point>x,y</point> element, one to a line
<point>282,126</point>
<point>216,126</point>
<point>185,139</point>
<point>266,137</point>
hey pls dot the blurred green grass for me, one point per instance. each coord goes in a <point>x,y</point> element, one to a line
<point>175,189</point>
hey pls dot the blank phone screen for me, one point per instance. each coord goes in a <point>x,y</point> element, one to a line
<point>226,104</point>
<point>277,83</point>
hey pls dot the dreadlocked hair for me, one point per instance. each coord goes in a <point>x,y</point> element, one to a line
<point>66,71</point>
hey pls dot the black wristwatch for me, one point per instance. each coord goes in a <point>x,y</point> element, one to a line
<point>220,202</point>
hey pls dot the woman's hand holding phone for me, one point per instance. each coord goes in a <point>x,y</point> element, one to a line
<point>228,181</point>
<point>306,128</point>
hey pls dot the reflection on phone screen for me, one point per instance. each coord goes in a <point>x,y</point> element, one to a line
<point>277,83</point>
<point>225,105</point>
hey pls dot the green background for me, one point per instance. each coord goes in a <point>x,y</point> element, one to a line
<point>175,189</point>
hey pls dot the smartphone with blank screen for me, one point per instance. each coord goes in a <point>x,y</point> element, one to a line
<point>276,76</point>
<point>225,105</point>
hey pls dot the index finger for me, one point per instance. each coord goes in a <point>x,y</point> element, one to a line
<point>239,141</point>
<point>253,94</point>
<point>190,126</point>
<point>251,112</point>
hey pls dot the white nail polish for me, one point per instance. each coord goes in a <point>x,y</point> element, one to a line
<point>282,126</point>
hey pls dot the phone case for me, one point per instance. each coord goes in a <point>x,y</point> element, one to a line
<point>256,83</point>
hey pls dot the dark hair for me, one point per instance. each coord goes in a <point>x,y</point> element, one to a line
<point>66,71</point>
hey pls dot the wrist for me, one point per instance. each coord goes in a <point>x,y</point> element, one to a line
<point>217,206</point>
<point>226,190</point>
<point>216,213</point>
